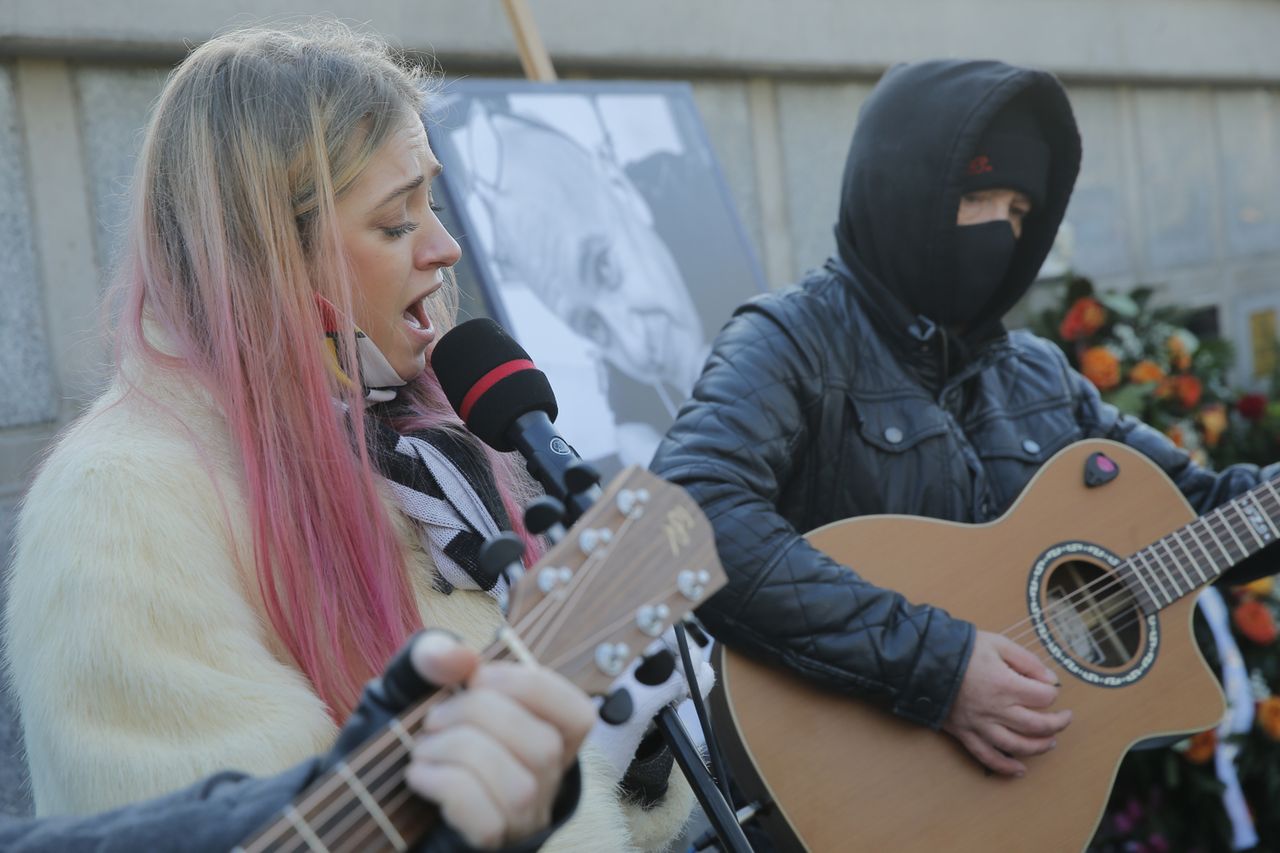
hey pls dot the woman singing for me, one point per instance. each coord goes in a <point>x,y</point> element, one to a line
<point>213,560</point>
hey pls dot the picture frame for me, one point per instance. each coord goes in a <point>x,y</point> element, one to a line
<point>598,229</point>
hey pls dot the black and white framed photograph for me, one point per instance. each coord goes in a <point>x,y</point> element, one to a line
<point>597,226</point>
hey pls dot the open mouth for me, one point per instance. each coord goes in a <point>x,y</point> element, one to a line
<point>416,316</point>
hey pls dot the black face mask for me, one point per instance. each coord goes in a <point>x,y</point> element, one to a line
<point>983,255</point>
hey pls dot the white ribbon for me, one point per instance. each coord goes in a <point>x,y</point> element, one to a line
<point>1237,720</point>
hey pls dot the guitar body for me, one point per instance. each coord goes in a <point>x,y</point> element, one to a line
<point>847,775</point>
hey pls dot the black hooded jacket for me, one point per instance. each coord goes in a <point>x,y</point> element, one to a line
<point>836,398</point>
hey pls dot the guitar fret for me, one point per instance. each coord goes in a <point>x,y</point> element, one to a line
<point>1133,570</point>
<point>1160,564</point>
<point>1191,561</point>
<point>1262,512</point>
<point>1256,517</point>
<point>1209,528</point>
<point>1244,552</point>
<point>1248,522</point>
<point>1177,564</point>
<point>371,806</point>
<point>304,829</point>
<point>398,729</point>
<point>1208,558</point>
<point>1275,494</point>
<point>1154,578</point>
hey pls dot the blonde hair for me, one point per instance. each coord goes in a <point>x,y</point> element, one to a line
<point>233,240</point>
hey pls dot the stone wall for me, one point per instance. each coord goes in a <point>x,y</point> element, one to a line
<point>1178,100</point>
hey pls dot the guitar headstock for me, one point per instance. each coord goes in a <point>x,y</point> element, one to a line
<point>636,562</point>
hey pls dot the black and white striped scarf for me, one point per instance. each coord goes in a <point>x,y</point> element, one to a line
<point>441,479</point>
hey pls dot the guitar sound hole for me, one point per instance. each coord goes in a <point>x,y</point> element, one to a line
<point>1092,615</point>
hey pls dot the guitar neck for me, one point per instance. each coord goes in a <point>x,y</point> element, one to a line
<point>362,803</point>
<point>640,559</point>
<point>1200,552</point>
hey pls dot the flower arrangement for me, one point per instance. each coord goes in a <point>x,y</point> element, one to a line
<point>1145,361</point>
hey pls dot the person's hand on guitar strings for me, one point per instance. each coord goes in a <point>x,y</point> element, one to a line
<point>493,756</point>
<point>1001,712</point>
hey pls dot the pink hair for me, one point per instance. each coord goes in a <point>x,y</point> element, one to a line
<point>233,237</point>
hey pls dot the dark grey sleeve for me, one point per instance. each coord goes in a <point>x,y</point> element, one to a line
<point>213,815</point>
<point>217,814</point>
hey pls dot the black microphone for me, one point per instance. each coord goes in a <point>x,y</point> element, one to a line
<point>508,403</point>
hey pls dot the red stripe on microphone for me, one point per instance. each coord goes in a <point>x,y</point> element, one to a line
<point>493,377</point>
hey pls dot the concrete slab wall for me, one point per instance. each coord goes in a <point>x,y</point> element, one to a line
<point>1132,39</point>
<point>1178,100</point>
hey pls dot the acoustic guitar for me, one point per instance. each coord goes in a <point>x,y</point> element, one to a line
<point>1091,570</point>
<point>639,559</point>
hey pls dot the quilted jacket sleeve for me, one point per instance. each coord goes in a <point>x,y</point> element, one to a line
<point>1203,489</point>
<point>733,447</point>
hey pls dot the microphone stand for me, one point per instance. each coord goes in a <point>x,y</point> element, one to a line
<point>582,486</point>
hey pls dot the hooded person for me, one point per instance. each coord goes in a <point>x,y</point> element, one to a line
<point>884,382</point>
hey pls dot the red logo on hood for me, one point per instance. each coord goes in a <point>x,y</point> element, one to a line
<point>980,165</point>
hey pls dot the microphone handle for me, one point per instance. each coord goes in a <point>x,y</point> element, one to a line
<point>548,457</point>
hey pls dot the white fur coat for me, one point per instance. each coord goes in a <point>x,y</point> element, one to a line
<point>139,649</point>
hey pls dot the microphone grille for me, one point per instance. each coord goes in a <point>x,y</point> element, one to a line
<point>490,380</point>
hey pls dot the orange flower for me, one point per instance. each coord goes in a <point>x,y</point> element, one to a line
<point>1200,748</point>
<point>1179,355</point>
<point>1213,421</point>
<point>1269,716</point>
<point>1175,435</point>
<point>1083,318</point>
<point>1188,389</point>
<point>1254,620</point>
<point>1262,587</point>
<point>1146,371</point>
<point>1101,367</point>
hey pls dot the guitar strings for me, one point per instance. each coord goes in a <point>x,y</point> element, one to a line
<point>395,802</point>
<point>530,626</point>
<point>1123,603</point>
<point>1110,580</point>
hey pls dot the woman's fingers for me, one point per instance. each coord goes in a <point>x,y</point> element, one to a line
<point>464,801</point>
<point>523,800</point>
<point>547,695</point>
<point>532,741</point>
<point>442,660</point>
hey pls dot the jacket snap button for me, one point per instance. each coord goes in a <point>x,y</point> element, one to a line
<point>1030,446</point>
<point>893,435</point>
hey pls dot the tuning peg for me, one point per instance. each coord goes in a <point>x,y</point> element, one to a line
<point>543,514</point>
<point>617,707</point>
<point>499,552</point>
<point>580,477</point>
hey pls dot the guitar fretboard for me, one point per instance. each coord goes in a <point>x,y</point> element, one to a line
<point>1199,552</point>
